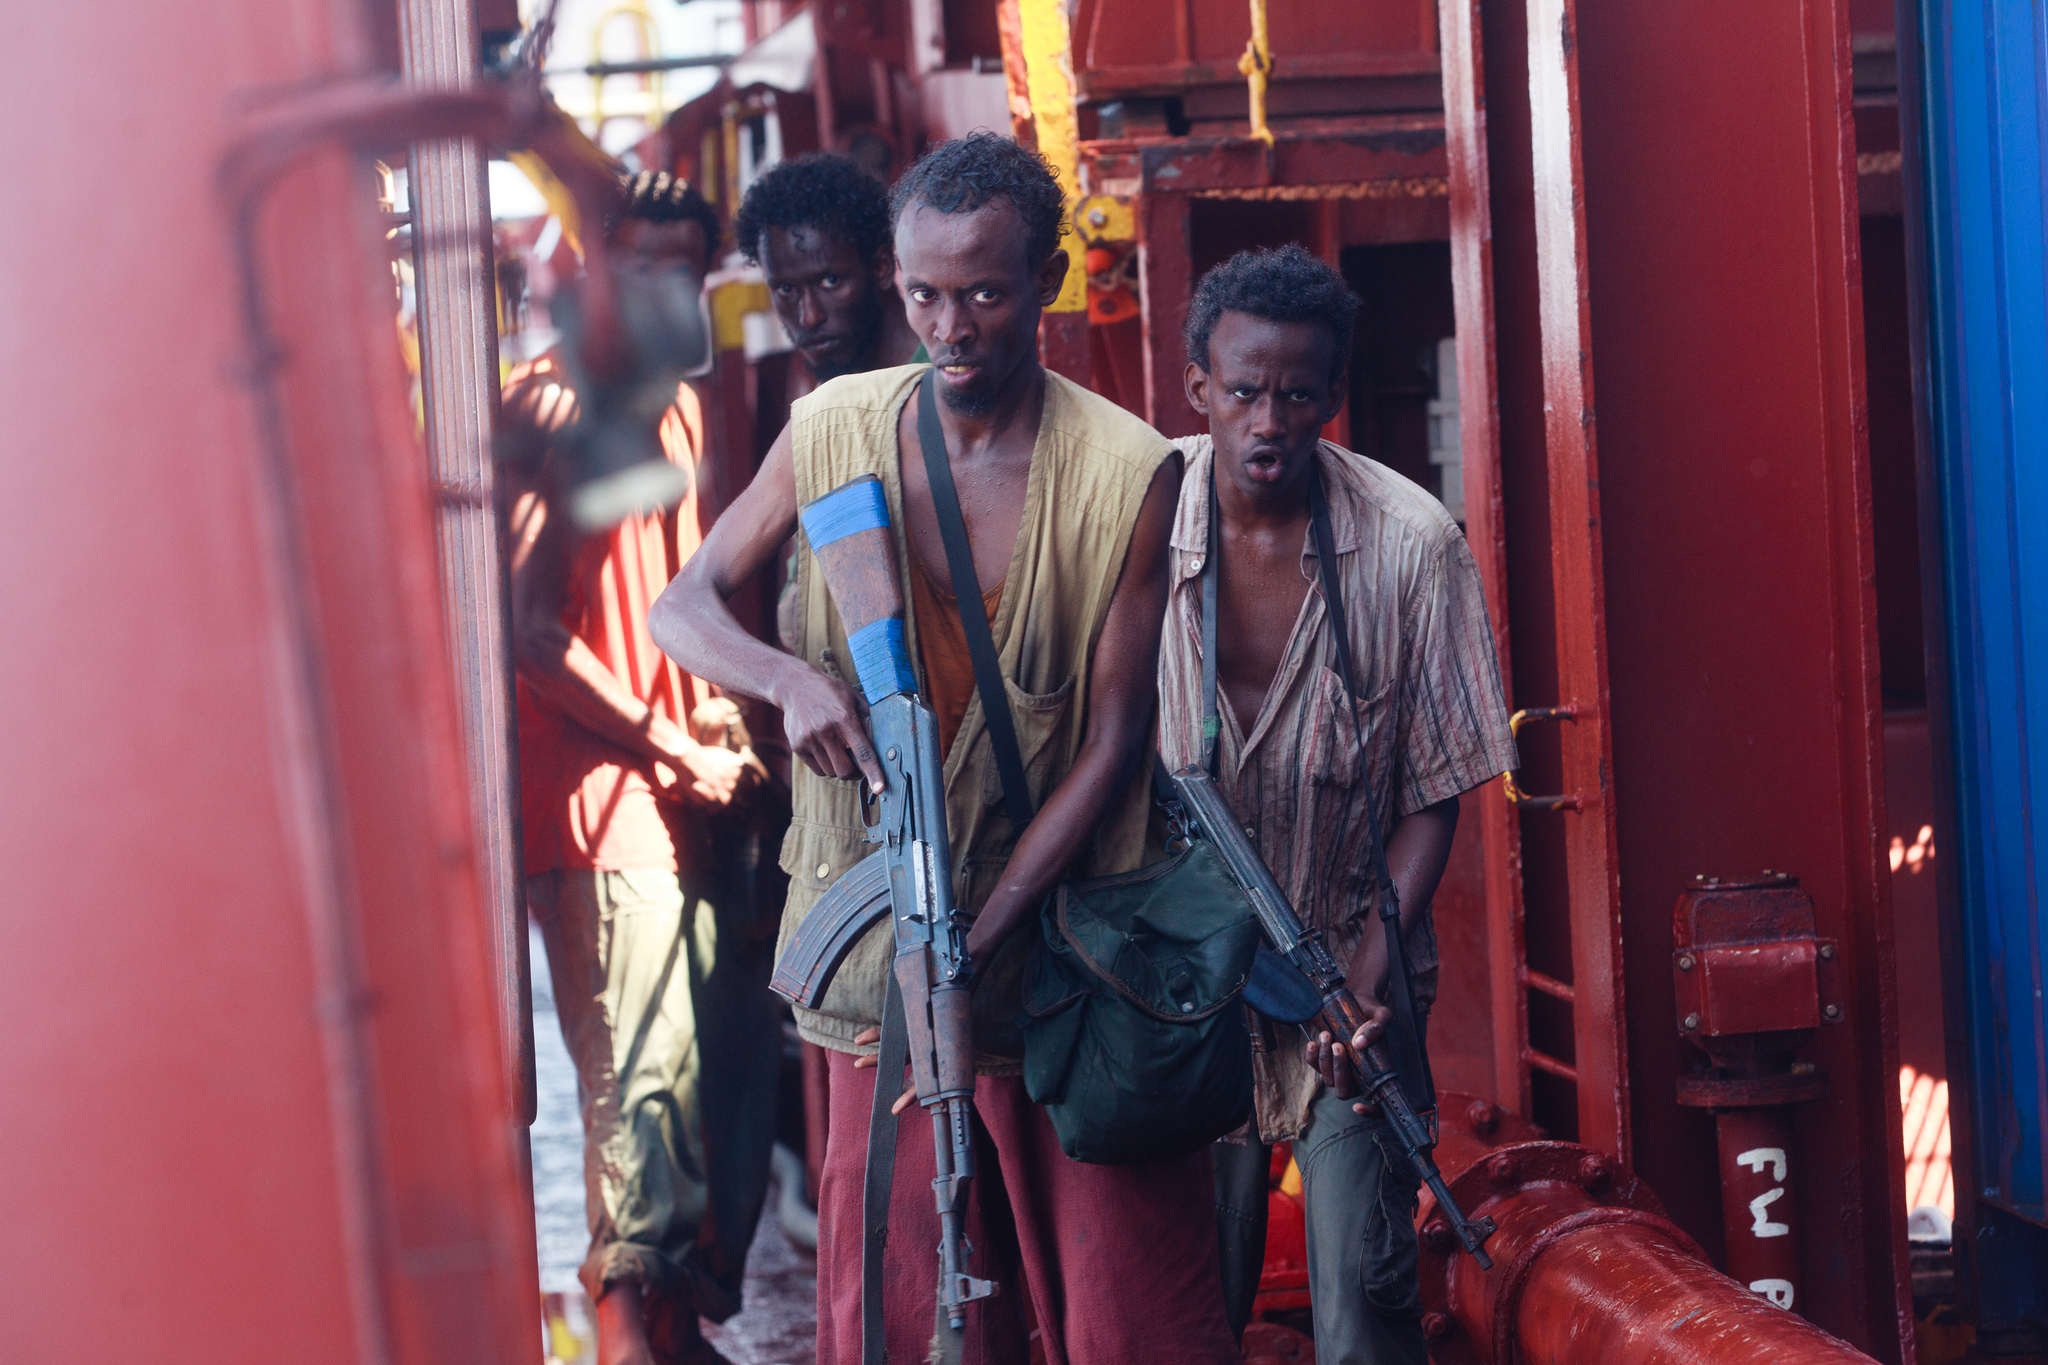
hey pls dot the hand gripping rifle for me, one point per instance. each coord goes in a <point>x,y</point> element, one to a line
<point>1321,1002</point>
<point>912,879</point>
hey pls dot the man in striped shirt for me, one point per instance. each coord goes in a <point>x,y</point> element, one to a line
<point>1268,337</point>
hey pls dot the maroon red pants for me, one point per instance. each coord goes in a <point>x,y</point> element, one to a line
<point>1120,1261</point>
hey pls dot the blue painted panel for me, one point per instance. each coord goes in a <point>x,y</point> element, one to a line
<point>1979,80</point>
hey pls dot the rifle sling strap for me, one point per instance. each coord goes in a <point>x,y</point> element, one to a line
<point>981,646</point>
<point>1411,1061</point>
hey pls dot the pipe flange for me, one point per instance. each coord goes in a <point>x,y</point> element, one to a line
<point>1508,1297</point>
<point>1488,1179</point>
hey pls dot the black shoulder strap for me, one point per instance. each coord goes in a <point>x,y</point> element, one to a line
<point>1410,1055</point>
<point>1212,720</point>
<point>981,646</point>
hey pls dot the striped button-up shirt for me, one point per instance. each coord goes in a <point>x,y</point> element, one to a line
<point>1429,700</point>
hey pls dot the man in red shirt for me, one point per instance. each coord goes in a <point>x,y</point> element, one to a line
<point>623,758</point>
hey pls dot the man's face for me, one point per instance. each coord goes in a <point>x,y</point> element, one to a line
<point>830,301</point>
<point>640,244</point>
<point>1267,393</point>
<point>972,297</point>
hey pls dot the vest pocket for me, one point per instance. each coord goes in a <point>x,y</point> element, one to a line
<point>1041,720</point>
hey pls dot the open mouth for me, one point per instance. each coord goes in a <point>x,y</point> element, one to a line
<point>959,373</point>
<point>1264,465</point>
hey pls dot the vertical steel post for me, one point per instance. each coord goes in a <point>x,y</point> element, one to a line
<point>1592,871</point>
<point>1972,110</point>
<point>1461,25</point>
<point>1166,279</point>
<point>455,285</point>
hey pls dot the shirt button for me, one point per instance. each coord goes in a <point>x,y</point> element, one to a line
<point>1196,563</point>
<point>824,871</point>
<point>1187,1007</point>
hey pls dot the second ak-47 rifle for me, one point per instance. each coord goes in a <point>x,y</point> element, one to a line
<point>1195,807</point>
<point>911,877</point>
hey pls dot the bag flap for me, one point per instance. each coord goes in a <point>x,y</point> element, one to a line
<point>1175,938</point>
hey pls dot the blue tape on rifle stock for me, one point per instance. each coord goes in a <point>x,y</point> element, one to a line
<point>846,510</point>
<point>881,659</point>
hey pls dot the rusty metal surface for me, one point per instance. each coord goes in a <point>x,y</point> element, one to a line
<point>1381,148</point>
<point>1160,46</point>
<point>1735,539</point>
<point>1587,1266</point>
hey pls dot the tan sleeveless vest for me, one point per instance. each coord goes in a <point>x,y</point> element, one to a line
<point>1089,474</point>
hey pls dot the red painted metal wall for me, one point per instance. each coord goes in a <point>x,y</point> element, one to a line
<point>253,1094</point>
<point>1721,243</point>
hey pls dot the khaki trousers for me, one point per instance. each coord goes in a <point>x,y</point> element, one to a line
<point>675,1050</point>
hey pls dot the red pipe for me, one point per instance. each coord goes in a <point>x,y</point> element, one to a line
<point>1756,1200</point>
<point>1586,1266</point>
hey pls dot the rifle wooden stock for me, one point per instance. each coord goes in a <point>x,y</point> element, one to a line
<point>912,877</point>
<point>859,567</point>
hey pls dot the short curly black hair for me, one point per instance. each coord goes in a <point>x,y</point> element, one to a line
<point>658,197</point>
<point>818,190</point>
<point>1282,284</point>
<point>961,175</point>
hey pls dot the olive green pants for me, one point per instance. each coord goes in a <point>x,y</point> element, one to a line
<point>675,1046</point>
<point>1359,1200</point>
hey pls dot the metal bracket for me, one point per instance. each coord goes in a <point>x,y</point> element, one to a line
<point>1516,796</point>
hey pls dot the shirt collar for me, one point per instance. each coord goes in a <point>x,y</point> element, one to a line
<point>1191,525</point>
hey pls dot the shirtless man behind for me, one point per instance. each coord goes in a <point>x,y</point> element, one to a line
<point>1067,501</point>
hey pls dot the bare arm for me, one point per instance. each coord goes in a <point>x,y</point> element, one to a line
<point>563,672</point>
<point>693,625</point>
<point>1417,851</point>
<point>1123,688</point>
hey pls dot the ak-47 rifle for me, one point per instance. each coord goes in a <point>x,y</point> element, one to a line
<point>1195,807</point>
<point>848,530</point>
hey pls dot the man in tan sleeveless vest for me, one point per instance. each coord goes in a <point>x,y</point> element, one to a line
<point>1068,503</point>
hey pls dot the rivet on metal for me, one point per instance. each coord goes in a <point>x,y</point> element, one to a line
<point>1685,963</point>
<point>1827,950</point>
<point>1483,1117</point>
<point>1437,1237</point>
<point>1436,1326</point>
<point>1593,1172</point>
<point>1833,1011</point>
<point>1500,1169</point>
<point>1692,1021</point>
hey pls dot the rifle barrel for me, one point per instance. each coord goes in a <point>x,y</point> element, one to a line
<point>1378,1083</point>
